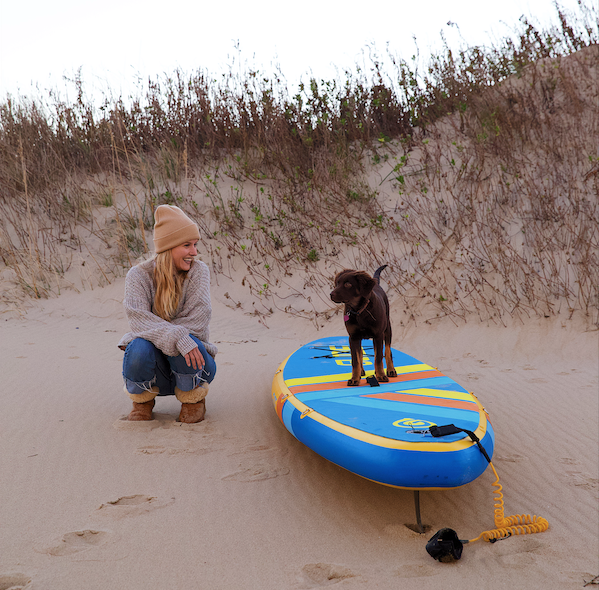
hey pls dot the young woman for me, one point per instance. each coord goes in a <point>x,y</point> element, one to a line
<point>167,302</point>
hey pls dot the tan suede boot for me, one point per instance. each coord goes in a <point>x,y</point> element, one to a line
<point>193,404</point>
<point>141,411</point>
<point>192,413</point>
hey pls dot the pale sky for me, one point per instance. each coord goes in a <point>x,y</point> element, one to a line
<point>116,42</point>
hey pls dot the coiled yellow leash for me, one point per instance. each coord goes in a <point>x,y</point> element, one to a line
<point>518,524</point>
<point>446,546</point>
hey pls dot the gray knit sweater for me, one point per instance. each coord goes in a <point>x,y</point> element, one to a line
<point>192,317</point>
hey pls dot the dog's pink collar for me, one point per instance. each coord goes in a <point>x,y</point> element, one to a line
<point>349,310</point>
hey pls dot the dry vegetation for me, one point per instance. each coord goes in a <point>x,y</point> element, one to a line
<point>476,181</point>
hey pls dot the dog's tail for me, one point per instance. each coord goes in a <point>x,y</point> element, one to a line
<point>377,273</point>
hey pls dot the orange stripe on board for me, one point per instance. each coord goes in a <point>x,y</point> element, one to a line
<point>279,406</point>
<point>427,401</point>
<point>339,384</point>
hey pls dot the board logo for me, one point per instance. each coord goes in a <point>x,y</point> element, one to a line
<point>344,351</point>
<point>413,423</point>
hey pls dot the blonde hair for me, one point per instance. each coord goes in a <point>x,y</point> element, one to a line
<point>169,285</point>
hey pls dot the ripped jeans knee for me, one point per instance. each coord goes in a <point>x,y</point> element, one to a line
<point>136,387</point>
<point>145,367</point>
<point>187,381</point>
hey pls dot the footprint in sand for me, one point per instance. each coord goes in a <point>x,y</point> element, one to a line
<point>173,438</point>
<point>581,480</point>
<point>76,542</point>
<point>568,461</point>
<point>260,462</point>
<point>325,574</point>
<point>14,581</point>
<point>135,505</point>
<point>256,473</point>
<point>513,458</point>
<point>151,450</point>
<point>142,425</point>
<point>159,450</point>
<point>577,478</point>
<point>521,554</point>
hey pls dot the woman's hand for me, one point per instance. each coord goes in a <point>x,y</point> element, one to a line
<point>195,359</point>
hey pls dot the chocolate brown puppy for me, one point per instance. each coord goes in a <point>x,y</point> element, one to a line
<point>366,316</point>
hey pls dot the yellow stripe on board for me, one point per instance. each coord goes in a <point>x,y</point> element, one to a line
<point>439,393</point>
<point>279,388</point>
<point>346,376</point>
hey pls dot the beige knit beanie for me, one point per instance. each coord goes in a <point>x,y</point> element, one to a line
<point>173,228</point>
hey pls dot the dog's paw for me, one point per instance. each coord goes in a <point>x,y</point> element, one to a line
<point>353,382</point>
<point>392,374</point>
<point>382,379</point>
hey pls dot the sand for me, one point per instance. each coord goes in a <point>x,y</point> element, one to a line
<point>91,501</point>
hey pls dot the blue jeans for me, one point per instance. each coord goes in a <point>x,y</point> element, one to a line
<point>145,366</point>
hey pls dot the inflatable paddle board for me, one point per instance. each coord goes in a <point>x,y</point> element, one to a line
<point>381,432</point>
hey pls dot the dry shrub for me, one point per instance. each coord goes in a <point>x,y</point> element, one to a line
<point>486,200</point>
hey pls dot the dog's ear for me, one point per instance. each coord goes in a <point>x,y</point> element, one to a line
<point>341,274</point>
<point>365,283</point>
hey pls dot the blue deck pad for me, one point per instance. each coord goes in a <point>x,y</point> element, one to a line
<point>442,383</point>
<point>320,358</point>
<point>380,418</point>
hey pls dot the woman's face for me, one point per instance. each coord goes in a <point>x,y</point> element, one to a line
<point>183,255</point>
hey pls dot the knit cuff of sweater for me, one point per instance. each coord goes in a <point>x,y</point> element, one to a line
<point>186,344</point>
